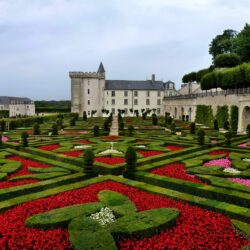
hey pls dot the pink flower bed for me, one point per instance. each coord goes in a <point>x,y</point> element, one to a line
<point>245,182</point>
<point>244,145</point>
<point>5,138</point>
<point>224,162</point>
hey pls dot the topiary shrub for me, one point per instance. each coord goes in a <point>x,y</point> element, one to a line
<point>173,127</point>
<point>226,60</point>
<point>88,163</point>
<point>226,125</point>
<point>154,119</point>
<point>24,139</point>
<point>84,116</point>
<point>72,122</point>
<point>106,125</point>
<point>96,130</point>
<point>228,136</point>
<point>248,130</point>
<point>187,118</point>
<point>130,130</point>
<point>170,119</point>
<point>201,136</point>
<point>216,124</point>
<point>54,130</point>
<point>36,129</point>
<point>192,128</point>
<point>131,159</point>
<point>121,125</point>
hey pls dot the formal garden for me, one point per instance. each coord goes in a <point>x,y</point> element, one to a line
<point>65,183</point>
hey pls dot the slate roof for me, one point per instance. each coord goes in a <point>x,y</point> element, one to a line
<point>6,100</point>
<point>133,85</point>
<point>101,68</point>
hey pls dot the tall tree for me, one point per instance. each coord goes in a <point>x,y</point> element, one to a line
<point>223,43</point>
<point>242,43</point>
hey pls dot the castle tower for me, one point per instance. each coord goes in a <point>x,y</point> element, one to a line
<point>87,91</point>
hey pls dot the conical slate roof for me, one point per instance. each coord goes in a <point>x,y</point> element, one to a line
<point>101,68</point>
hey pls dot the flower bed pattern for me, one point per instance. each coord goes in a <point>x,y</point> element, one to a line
<point>111,138</point>
<point>176,170</point>
<point>50,147</point>
<point>224,162</point>
<point>174,148</point>
<point>84,142</point>
<point>76,153</point>
<point>245,182</point>
<point>196,228</point>
<point>220,152</point>
<point>149,153</point>
<point>23,171</point>
<point>110,160</point>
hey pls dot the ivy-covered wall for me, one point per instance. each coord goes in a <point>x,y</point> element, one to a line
<point>234,115</point>
<point>222,115</point>
<point>204,115</point>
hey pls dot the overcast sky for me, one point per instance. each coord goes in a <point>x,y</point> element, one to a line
<point>42,40</point>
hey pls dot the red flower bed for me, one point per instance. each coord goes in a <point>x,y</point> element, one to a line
<point>176,170</point>
<point>149,153</point>
<point>111,138</point>
<point>196,228</point>
<point>110,160</point>
<point>50,147</point>
<point>173,148</point>
<point>220,152</point>
<point>23,171</point>
<point>84,142</point>
<point>76,153</point>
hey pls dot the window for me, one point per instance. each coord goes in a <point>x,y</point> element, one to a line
<point>136,93</point>
<point>125,111</point>
<point>147,102</point>
<point>113,111</point>
<point>88,102</point>
<point>125,93</point>
<point>113,101</point>
<point>88,112</point>
<point>148,93</point>
<point>125,101</point>
<point>158,93</point>
<point>158,101</point>
<point>170,93</point>
<point>88,91</point>
<point>112,93</point>
<point>158,111</point>
<point>135,101</point>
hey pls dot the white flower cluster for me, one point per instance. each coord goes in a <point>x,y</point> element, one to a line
<point>140,146</point>
<point>105,216</point>
<point>231,170</point>
<point>82,146</point>
<point>246,159</point>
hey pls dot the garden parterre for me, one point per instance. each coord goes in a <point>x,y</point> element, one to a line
<point>173,171</point>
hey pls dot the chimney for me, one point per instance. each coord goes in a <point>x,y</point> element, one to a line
<point>153,78</point>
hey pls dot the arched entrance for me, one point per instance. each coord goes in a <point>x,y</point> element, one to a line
<point>245,117</point>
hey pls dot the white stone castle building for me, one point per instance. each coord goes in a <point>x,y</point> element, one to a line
<point>91,91</point>
<point>17,106</point>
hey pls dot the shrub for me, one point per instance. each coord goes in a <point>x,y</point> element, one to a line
<point>173,127</point>
<point>84,116</point>
<point>226,125</point>
<point>54,130</point>
<point>12,125</point>
<point>226,60</point>
<point>248,130</point>
<point>59,123</point>
<point>201,137</point>
<point>166,117</point>
<point>106,125</point>
<point>88,162</point>
<point>130,130</point>
<point>192,128</point>
<point>222,115</point>
<point>3,125</point>
<point>154,119</point>
<point>228,136</point>
<point>72,122</point>
<point>36,129</point>
<point>144,116</point>
<point>24,139</point>
<point>121,125</point>
<point>170,119</point>
<point>131,159</point>
<point>216,125</point>
<point>96,130</point>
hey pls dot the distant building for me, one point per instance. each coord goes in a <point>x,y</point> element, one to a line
<point>91,91</point>
<point>17,106</point>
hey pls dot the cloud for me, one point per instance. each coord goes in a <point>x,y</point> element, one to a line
<point>42,40</point>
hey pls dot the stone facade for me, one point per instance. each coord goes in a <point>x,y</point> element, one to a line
<point>91,91</point>
<point>186,104</point>
<point>17,106</point>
